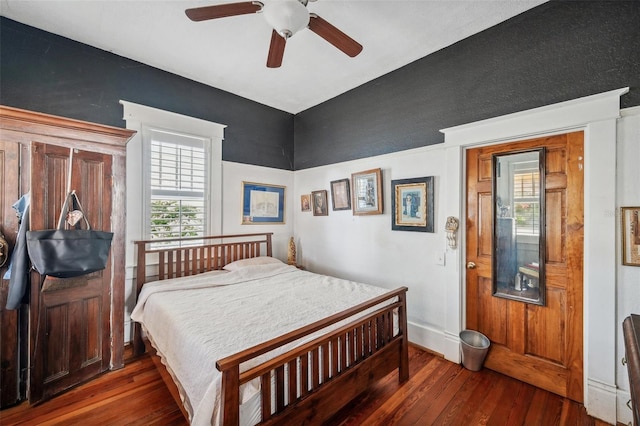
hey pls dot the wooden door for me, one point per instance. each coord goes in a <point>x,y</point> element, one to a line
<point>541,345</point>
<point>12,322</point>
<point>71,328</point>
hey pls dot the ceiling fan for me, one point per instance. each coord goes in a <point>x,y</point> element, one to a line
<point>286,17</point>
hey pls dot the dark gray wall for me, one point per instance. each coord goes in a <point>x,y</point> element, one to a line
<point>43,72</point>
<point>558,51</point>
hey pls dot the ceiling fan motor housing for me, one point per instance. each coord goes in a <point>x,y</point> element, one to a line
<point>287,17</point>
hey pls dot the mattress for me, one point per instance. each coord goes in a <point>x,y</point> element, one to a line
<point>194,321</point>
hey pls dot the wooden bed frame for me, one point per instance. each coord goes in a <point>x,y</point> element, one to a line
<point>327,372</point>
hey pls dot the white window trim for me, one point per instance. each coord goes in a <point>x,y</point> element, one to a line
<point>141,118</point>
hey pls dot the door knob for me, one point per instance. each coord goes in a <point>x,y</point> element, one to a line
<point>471,265</point>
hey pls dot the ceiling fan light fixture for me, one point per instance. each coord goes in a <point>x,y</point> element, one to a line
<point>287,17</point>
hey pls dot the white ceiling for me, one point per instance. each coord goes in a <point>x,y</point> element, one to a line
<point>230,53</point>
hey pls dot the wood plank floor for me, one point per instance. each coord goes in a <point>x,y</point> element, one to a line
<point>437,393</point>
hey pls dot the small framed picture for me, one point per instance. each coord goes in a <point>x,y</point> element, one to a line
<point>262,203</point>
<point>630,236</point>
<point>340,194</point>
<point>319,202</point>
<point>366,193</point>
<point>305,203</point>
<point>412,204</point>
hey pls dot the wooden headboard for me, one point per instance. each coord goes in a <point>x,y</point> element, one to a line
<point>181,257</point>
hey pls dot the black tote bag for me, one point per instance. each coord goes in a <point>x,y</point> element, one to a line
<point>66,253</point>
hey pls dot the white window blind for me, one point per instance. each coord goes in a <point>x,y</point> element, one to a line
<point>526,195</point>
<point>178,184</point>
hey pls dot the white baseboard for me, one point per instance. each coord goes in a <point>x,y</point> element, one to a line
<point>452,347</point>
<point>624,413</point>
<point>601,401</point>
<point>435,340</point>
<point>426,337</point>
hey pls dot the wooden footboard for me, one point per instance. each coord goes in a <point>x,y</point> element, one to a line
<point>311,382</point>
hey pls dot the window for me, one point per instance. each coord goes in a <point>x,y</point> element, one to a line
<point>177,186</point>
<point>174,175</point>
<point>526,197</point>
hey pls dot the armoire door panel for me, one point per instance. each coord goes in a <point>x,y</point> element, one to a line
<point>56,345</point>
<point>76,345</point>
<point>50,173</point>
<point>10,339</point>
<point>93,314</point>
<point>92,176</point>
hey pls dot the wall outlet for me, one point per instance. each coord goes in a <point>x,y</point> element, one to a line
<point>440,258</point>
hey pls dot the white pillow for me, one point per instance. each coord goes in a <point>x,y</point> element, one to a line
<point>262,260</point>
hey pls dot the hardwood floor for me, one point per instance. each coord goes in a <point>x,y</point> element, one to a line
<point>437,393</point>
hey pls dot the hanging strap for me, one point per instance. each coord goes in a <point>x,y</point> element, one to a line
<point>66,201</point>
<point>70,194</point>
<point>65,207</point>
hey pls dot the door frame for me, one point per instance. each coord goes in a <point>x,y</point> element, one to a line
<point>596,116</point>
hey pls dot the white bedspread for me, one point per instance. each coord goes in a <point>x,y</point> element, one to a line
<point>217,314</point>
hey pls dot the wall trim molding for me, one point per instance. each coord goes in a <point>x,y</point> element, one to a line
<point>624,413</point>
<point>427,337</point>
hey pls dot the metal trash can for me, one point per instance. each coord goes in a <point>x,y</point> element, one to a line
<point>473,348</point>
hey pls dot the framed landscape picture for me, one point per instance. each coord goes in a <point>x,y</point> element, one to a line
<point>262,203</point>
<point>412,204</point>
<point>366,193</point>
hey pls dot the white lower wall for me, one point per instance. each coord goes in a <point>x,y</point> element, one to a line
<point>364,248</point>
<point>628,277</point>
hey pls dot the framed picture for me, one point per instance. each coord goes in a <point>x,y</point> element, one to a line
<point>319,202</point>
<point>631,236</point>
<point>262,203</point>
<point>340,194</point>
<point>366,193</point>
<point>412,204</point>
<point>305,203</point>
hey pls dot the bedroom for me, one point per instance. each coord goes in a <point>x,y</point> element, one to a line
<point>402,136</point>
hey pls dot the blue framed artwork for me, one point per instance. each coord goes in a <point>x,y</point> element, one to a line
<point>262,203</point>
<point>412,204</point>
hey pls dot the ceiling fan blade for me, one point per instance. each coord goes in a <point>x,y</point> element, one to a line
<point>223,10</point>
<point>276,50</point>
<point>334,36</point>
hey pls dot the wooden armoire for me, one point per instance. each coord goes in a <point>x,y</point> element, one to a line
<point>75,329</point>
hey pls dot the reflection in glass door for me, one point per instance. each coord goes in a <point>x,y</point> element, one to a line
<point>518,226</point>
